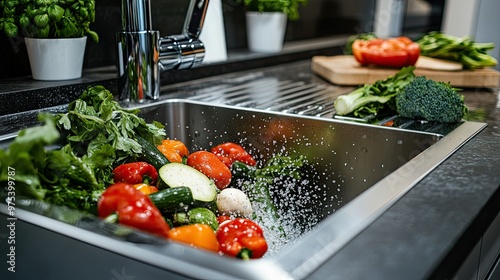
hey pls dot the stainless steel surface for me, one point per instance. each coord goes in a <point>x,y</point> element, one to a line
<point>136,15</point>
<point>142,54</point>
<point>356,171</point>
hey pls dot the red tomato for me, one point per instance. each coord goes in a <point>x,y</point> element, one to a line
<point>395,52</point>
<point>208,164</point>
<point>223,218</point>
<point>230,152</point>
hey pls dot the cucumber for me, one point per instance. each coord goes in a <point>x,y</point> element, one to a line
<point>172,199</point>
<point>151,154</point>
<point>176,175</point>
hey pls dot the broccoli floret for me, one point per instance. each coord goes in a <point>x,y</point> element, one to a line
<point>430,100</point>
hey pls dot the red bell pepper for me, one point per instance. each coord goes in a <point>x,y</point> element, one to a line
<point>394,52</point>
<point>135,173</point>
<point>229,152</point>
<point>241,238</point>
<point>133,208</point>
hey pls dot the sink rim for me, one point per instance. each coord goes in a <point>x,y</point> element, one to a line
<point>325,239</point>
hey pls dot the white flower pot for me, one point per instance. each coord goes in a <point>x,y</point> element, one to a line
<point>266,31</point>
<point>212,34</point>
<point>56,59</point>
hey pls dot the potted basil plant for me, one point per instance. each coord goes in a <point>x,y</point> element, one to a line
<point>266,23</point>
<point>55,33</point>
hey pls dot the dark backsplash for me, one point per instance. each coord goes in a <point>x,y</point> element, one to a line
<point>320,18</point>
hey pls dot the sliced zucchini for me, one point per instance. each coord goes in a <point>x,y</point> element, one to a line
<point>176,175</point>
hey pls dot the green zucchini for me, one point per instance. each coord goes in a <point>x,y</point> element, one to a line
<point>172,199</point>
<point>199,215</point>
<point>151,154</point>
<point>174,175</point>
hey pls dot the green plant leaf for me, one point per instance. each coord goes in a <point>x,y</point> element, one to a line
<point>41,20</point>
<point>10,29</point>
<point>55,12</point>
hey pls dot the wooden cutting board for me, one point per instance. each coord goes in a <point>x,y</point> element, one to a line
<point>345,70</point>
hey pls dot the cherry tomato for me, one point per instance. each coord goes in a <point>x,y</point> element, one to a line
<point>230,152</point>
<point>394,52</point>
<point>208,164</point>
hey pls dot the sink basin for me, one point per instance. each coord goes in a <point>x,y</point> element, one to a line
<point>356,171</point>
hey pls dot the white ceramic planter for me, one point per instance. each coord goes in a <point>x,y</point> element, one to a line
<point>212,35</point>
<point>265,31</point>
<point>56,59</point>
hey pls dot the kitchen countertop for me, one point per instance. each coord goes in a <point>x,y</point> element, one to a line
<point>432,228</point>
<point>429,232</point>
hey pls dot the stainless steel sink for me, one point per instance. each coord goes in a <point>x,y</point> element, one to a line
<point>356,172</point>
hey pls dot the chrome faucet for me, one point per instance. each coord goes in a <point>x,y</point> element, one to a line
<point>143,54</point>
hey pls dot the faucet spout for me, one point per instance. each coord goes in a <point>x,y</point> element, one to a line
<point>143,54</point>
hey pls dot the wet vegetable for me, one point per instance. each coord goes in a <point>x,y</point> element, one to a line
<point>234,202</point>
<point>131,208</point>
<point>175,175</point>
<point>174,150</point>
<point>94,136</point>
<point>199,215</point>
<point>150,153</point>
<point>241,238</point>
<point>210,165</point>
<point>145,188</point>
<point>230,152</point>
<point>196,235</point>
<point>135,173</point>
<point>172,199</point>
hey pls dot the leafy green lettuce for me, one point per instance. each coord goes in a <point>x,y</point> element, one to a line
<point>70,158</point>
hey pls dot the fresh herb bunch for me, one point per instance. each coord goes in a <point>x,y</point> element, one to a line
<point>48,18</point>
<point>289,7</point>
<point>70,159</point>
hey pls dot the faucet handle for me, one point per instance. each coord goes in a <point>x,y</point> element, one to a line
<point>195,18</point>
<point>142,53</point>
